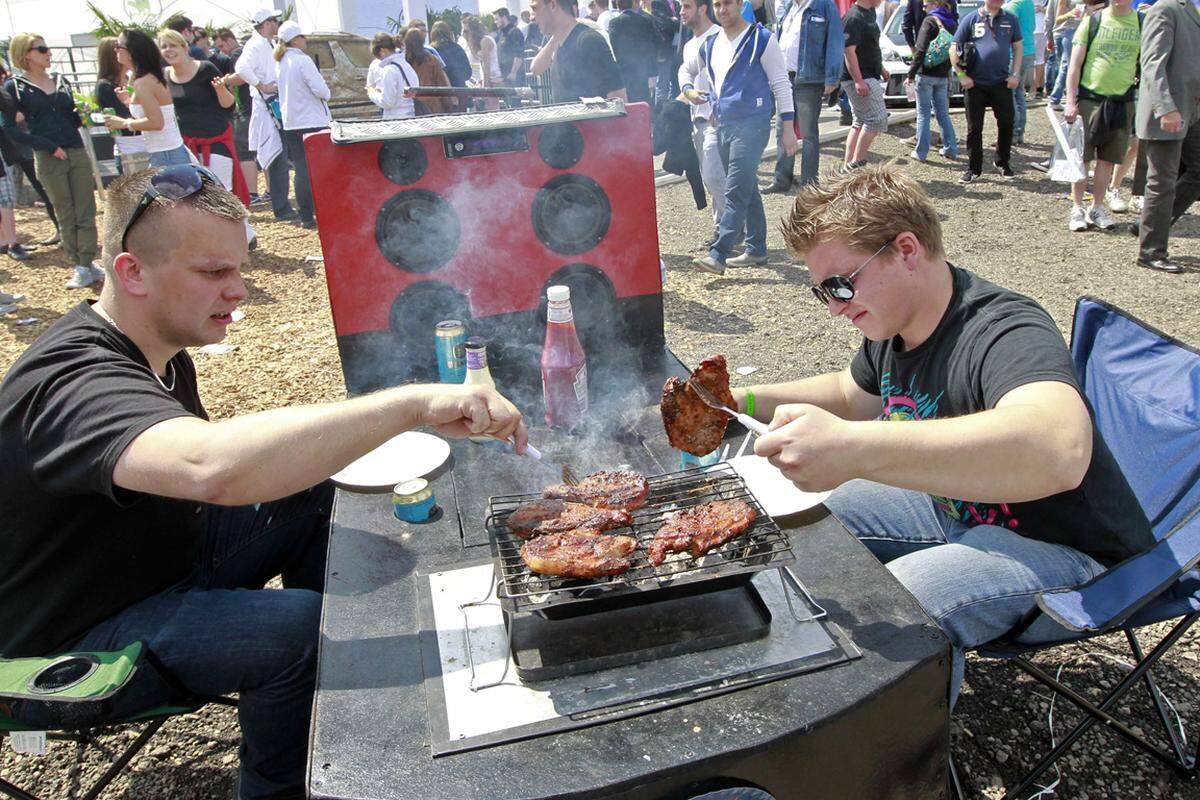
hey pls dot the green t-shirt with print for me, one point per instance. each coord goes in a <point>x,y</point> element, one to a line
<point>1111,63</point>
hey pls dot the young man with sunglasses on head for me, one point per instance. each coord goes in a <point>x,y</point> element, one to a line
<point>998,486</point>
<point>130,516</point>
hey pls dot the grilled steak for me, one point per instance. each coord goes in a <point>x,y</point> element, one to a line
<point>580,553</point>
<point>701,528</point>
<point>624,489</point>
<point>539,517</point>
<point>692,426</point>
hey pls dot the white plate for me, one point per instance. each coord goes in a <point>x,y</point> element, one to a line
<point>778,496</point>
<point>404,457</point>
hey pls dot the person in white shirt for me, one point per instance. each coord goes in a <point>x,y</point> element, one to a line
<point>304,106</point>
<point>257,68</point>
<point>393,76</point>
<point>697,16</point>
<point>749,80</point>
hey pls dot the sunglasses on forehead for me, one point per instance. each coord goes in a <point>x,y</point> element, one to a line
<point>174,182</point>
<point>840,288</point>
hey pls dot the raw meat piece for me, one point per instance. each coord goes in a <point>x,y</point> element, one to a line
<point>580,553</point>
<point>701,528</point>
<point>691,425</point>
<point>623,489</point>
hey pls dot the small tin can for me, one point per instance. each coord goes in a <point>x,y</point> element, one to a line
<point>450,337</point>
<point>412,501</point>
<point>689,461</point>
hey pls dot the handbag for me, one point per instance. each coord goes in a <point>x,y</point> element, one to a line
<point>968,57</point>
<point>938,52</point>
<point>419,108</point>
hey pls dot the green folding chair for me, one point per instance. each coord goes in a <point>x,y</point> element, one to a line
<point>71,698</point>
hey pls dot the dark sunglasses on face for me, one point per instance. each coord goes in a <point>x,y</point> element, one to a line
<point>41,48</point>
<point>840,288</point>
<point>174,182</point>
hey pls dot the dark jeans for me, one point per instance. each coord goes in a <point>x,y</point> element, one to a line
<point>220,631</point>
<point>978,98</point>
<point>293,145</point>
<point>277,184</point>
<point>808,99</point>
<point>1168,193</point>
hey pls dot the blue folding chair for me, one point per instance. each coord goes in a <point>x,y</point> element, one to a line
<point>1144,388</point>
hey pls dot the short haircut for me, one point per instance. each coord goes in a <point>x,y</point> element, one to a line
<point>224,33</point>
<point>123,197</point>
<point>441,32</point>
<point>178,23</point>
<point>865,210</point>
<point>170,36</point>
<point>382,41</point>
<point>624,5</point>
<point>143,52</point>
<point>502,12</point>
<point>19,47</point>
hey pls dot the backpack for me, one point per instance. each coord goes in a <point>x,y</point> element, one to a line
<point>938,52</point>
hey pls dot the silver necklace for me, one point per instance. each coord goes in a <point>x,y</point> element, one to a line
<point>104,315</point>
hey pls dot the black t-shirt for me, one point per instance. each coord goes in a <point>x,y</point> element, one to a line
<point>860,31</point>
<point>106,97</point>
<point>583,67</point>
<point>196,107</point>
<point>634,43</point>
<point>77,549</point>
<point>989,342</point>
<point>510,43</point>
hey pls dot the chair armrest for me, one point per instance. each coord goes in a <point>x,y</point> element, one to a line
<point>1112,597</point>
<point>72,677</point>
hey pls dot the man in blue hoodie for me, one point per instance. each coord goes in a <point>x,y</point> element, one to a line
<point>810,35</point>
<point>745,68</point>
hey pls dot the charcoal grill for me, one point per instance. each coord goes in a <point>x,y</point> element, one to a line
<point>762,547</point>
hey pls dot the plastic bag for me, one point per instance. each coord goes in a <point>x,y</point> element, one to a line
<point>1066,165</point>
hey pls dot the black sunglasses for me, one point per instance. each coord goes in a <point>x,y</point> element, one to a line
<point>174,182</point>
<point>41,48</point>
<point>841,287</point>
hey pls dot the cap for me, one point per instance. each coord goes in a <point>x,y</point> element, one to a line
<point>264,14</point>
<point>289,30</point>
<point>558,293</point>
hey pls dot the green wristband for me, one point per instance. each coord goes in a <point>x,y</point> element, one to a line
<point>749,403</point>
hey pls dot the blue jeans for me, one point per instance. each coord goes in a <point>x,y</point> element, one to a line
<point>219,631</point>
<point>809,100</point>
<point>180,155</point>
<point>976,582</point>
<point>1062,57</point>
<point>741,145</point>
<point>933,97</point>
<point>1020,112</point>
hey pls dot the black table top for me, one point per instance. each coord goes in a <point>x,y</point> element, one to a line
<point>370,732</point>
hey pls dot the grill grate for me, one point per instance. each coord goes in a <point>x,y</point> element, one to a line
<point>764,546</point>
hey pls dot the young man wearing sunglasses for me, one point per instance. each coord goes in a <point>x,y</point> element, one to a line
<point>998,486</point>
<point>129,515</point>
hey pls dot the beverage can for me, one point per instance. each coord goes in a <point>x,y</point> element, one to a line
<point>413,501</point>
<point>450,339</point>
<point>689,461</point>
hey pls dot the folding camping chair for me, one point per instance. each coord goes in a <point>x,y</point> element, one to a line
<point>1144,388</point>
<point>71,698</point>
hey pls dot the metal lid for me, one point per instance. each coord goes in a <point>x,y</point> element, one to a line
<point>449,323</point>
<point>558,293</point>
<point>413,486</point>
<point>476,343</point>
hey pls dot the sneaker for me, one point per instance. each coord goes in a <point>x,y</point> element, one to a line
<point>1078,220</point>
<point>17,253</point>
<point>913,155</point>
<point>845,120</point>
<point>1041,166</point>
<point>53,240</point>
<point>1005,170</point>
<point>746,260</point>
<point>82,278</point>
<point>8,299</point>
<point>948,155</point>
<point>7,308</point>
<point>710,264</point>
<point>774,188</point>
<point>968,176</point>
<point>98,271</point>
<point>1099,216</point>
<point>259,200</point>
<point>1135,204</point>
<point>1056,106</point>
<point>1116,203</point>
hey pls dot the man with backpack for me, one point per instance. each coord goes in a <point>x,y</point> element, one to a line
<point>1101,87</point>
<point>987,58</point>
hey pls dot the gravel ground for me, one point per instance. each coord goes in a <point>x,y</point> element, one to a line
<point>1011,232</point>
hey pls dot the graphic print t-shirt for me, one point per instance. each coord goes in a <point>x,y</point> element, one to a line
<point>989,342</point>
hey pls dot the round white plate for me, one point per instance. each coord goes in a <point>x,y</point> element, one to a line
<point>404,457</point>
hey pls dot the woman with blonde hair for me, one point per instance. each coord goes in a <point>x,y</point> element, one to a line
<point>303,104</point>
<point>63,166</point>
<point>151,107</point>
<point>429,70</point>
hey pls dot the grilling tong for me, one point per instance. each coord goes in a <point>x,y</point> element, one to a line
<point>711,401</point>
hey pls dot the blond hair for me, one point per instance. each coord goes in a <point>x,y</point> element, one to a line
<point>19,47</point>
<point>168,36</point>
<point>865,210</point>
<point>123,197</point>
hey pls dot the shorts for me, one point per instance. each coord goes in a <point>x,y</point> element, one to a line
<point>1112,151</point>
<point>870,112</point>
<point>241,137</point>
<point>7,193</point>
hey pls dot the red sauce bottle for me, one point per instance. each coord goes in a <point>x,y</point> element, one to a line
<point>564,366</point>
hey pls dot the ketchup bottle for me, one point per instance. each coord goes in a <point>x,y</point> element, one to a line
<point>564,366</point>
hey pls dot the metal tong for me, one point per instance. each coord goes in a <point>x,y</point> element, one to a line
<point>711,401</point>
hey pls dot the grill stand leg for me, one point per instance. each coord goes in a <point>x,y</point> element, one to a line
<point>486,600</point>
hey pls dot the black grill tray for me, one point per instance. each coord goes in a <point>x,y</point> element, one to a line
<point>764,546</point>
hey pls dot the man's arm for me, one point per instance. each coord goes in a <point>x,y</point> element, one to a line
<point>1036,442</point>
<point>1158,40</point>
<point>834,50</point>
<point>1014,78</point>
<point>260,457</point>
<point>545,57</point>
<point>836,392</point>
<point>1074,73</point>
<point>908,25</point>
